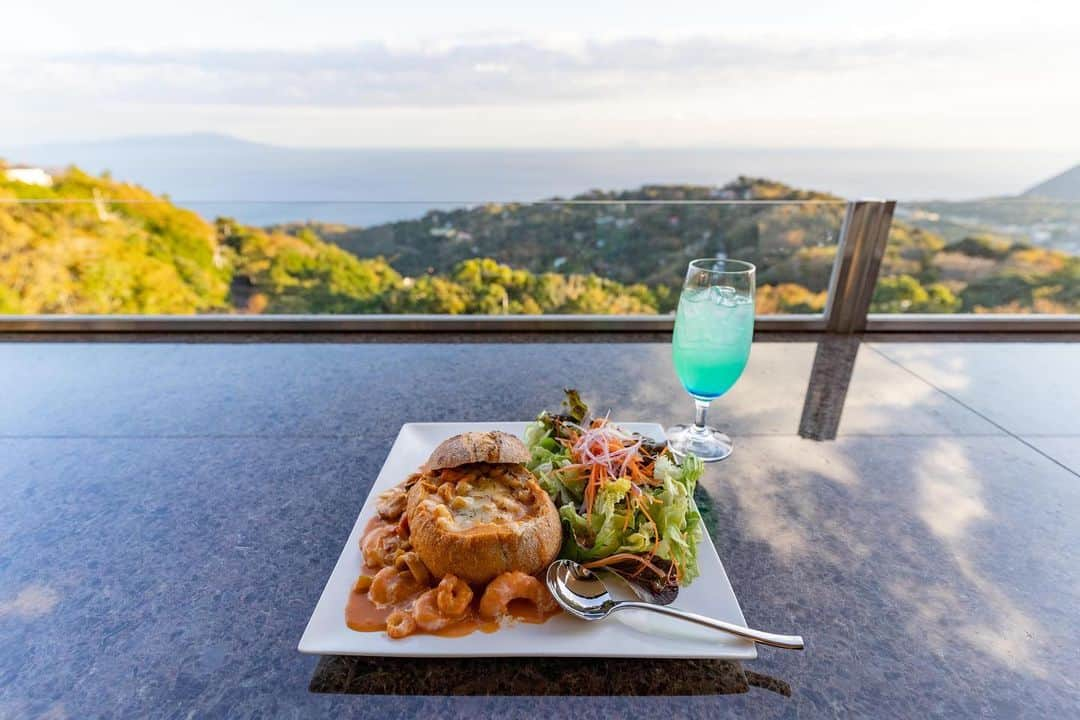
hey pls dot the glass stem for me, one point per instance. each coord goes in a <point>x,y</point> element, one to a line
<point>701,410</point>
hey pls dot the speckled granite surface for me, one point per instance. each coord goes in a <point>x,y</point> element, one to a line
<point>170,513</point>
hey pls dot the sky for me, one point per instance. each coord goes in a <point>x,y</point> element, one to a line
<point>594,74</point>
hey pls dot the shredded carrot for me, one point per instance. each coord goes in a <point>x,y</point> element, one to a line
<point>609,453</point>
<point>644,563</point>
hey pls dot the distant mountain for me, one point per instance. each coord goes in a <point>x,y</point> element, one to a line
<point>1046,215</point>
<point>190,141</point>
<point>221,175</point>
<point>186,153</point>
<point>1065,186</point>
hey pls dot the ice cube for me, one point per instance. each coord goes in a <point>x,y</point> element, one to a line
<point>695,295</point>
<point>723,295</point>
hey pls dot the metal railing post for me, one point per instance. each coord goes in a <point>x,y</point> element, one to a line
<point>858,258</point>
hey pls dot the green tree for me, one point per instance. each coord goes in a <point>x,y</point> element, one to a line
<point>983,246</point>
<point>904,294</point>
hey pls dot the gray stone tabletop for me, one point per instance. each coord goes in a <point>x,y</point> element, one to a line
<point>169,513</point>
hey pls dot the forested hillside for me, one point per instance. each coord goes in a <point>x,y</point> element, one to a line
<point>137,255</point>
<point>93,245</point>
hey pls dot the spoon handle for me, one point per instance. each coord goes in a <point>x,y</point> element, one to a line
<point>788,642</point>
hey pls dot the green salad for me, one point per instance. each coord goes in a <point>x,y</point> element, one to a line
<point>626,503</point>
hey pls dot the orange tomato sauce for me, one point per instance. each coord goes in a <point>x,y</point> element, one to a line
<point>363,615</point>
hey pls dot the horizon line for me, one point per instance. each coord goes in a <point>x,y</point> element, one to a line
<point>625,147</point>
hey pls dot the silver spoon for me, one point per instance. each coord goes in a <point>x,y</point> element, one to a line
<point>640,589</point>
<point>582,594</point>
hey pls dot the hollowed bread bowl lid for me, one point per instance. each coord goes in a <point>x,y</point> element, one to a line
<point>493,447</point>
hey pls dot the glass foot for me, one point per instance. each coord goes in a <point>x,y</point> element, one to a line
<point>708,444</point>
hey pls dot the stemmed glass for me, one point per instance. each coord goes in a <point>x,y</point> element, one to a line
<point>711,344</point>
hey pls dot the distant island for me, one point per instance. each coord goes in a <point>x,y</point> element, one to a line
<point>125,250</point>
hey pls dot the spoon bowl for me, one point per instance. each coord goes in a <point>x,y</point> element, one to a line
<point>579,590</point>
<point>583,594</point>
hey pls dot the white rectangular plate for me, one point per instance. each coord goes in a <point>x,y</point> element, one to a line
<point>630,633</point>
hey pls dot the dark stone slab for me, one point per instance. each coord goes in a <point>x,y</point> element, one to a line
<point>155,390</point>
<point>938,575</point>
<point>1063,449</point>
<point>532,677</point>
<point>932,567</point>
<point>1026,388</point>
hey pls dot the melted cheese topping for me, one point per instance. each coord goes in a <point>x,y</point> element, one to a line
<point>483,500</point>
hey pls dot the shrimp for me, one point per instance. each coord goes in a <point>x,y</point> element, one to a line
<point>453,596</point>
<point>427,615</point>
<point>514,586</point>
<point>400,624</point>
<point>390,586</point>
<point>391,504</point>
<point>380,546</point>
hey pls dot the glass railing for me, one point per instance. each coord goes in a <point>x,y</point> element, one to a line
<point>89,246</point>
<point>1006,256</point>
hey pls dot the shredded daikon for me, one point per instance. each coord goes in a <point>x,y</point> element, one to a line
<point>595,447</point>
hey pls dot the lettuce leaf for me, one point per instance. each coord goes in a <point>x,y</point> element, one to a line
<point>677,517</point>
<point>547,455</point>
<point>538,431</point>
<point>607,530</point>
<point>601,534</point>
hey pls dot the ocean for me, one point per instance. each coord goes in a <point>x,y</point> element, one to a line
<point>262,184</point>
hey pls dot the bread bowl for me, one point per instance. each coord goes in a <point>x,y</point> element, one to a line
<point>476,512</point>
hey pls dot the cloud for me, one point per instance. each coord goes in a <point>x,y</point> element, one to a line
<point>446,75</point>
